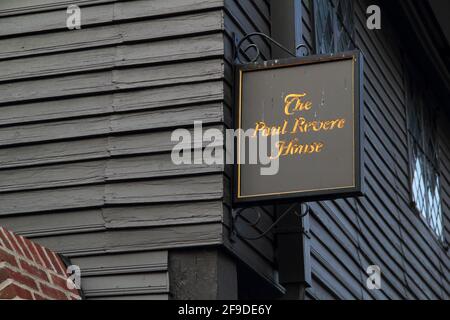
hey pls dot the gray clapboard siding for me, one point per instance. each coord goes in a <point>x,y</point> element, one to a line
<point>117,123</point>
<point>155,261</point>
<point>242,17</point>
<point>163,214</point>
<point>57,223</point>
<point>208,113</point>
<point>250,256</point>
<point>107,58</point>
<point>326,215</point>
<point>384,230</point>
<point>85,123</point>
<point>89,149</point>
<point>307,24</point>
<point>133,297</point>
<point>53,176</point>
<point>94,172</point>
<point>118,101</point>
<point>110,35</point>
<point>151,142</point>
<point>118,241</point>
<point>56,152</point>
<point>100,13</point>
<point>207,187</point>
<point>126,274</point>
<point>53,199</point>
<point>99,82</point>
<point>86,118</point>
<point>236,20</point>
<point>377,247</point>
<point>13,7</point>
<point>153,166</point>
<point>179,189</point>
<point>126,284</point>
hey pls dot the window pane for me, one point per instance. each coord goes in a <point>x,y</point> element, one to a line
<point>324,26</point>
<point>344,12</point>
<point>334,25</point>
<point>425,185</point>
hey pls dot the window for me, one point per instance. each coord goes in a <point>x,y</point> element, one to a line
<point>334,25</point>
<point>424,160</point>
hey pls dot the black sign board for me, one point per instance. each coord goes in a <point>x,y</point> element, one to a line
<point>313,106</point>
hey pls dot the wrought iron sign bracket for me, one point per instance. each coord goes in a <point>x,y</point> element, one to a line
<point>301,210</point>
<point>239,51</point>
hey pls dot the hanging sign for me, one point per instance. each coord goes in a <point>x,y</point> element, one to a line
<point>309,111</point>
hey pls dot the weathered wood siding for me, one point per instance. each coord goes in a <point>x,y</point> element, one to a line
<point>240,19</point>
<point>380,228</point>
<point>85,123</point>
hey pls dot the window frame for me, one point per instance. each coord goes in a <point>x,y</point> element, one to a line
<point>441,240</point>
<point>336,21</point>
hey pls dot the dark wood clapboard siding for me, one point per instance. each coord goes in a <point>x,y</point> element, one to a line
<point>16,7</point>
<point>116,34</point>
<point>85,123</point>
<point>308,24</point>
<point>86,118</point>
<point>112,12</point>
<point>113,124</point>
<point>106,58</point>
<point>381,228</point>
<point>106,81</point>
<point>241,18</point>
<point>127,274</point>
<point>145,99</point>
<point>46,224</point>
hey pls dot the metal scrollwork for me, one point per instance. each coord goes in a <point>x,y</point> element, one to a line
<point>239,49</point>
<point>300,210</point>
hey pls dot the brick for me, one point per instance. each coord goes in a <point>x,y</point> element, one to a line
<point>52,260</point>
<point>34,270</point>
<point>8,258</point>
<point>38,297</point>
<point>6,273</point>
<point>13,242</point>
<point>59,281</point>
<point>24,247</point>
<point>61,264</point>
<point>5,240</point>
<point>14,291</point>
<point>33,252</point>
<point>52,293</point>
<point>43,256</point>
<point>31,271</point>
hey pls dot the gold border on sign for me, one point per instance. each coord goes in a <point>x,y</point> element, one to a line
<point>239,196</point>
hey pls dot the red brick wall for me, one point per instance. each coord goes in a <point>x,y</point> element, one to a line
<point>30,271</point>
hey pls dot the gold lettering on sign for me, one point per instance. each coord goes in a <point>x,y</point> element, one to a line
<point>302,125</point>
<point>294,148</point>
<point>294,104</point>
<point>266,131</point>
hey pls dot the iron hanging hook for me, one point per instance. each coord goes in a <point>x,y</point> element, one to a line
<point>237,56</point>
<point>304,211</point>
